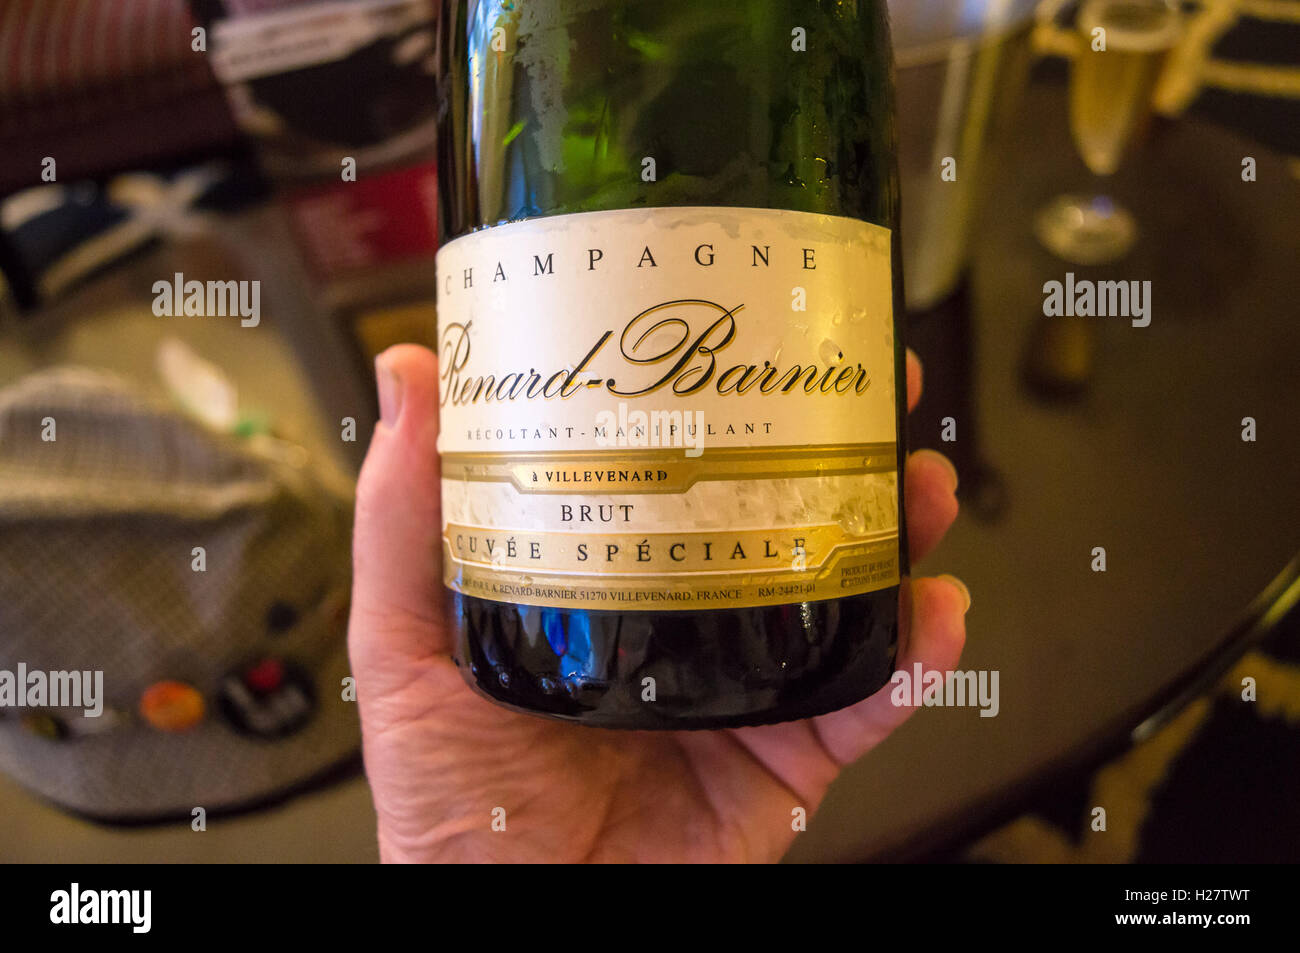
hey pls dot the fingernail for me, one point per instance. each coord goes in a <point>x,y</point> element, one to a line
<point>961,587</point>
<point>942,461</point>
<point>390,392</point>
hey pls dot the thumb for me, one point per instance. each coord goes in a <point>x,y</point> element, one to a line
<point>397,591</point>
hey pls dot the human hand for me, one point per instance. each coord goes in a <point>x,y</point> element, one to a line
<point>440,758</point>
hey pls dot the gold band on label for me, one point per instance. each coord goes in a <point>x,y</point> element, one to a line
<point>843,569</point>
<point>663,470</point>
<point>730,552</point>
<point>610,568</point>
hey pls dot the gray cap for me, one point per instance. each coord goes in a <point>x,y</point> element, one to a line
<point>222,676</point>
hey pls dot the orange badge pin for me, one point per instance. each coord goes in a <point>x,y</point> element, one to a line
<point>171,706</point>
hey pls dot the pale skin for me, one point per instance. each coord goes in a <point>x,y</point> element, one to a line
<point>441,760</point>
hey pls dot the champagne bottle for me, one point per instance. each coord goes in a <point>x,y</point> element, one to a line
<point>671,382</point>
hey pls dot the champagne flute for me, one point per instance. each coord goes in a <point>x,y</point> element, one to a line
<point>1121,46</point>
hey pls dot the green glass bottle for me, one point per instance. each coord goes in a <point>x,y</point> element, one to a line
<point>672,385</point>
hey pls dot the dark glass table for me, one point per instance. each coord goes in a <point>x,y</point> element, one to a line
<point>1201,529</point>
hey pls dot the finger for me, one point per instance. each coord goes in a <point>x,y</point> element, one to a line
<point>914,380</point>
<point>397,587</point>
<point>934,635</point>
<point>930,495</point>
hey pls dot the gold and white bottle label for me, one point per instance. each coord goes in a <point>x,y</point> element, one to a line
<point>669,408</point>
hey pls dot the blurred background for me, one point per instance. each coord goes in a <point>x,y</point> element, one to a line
<point>176,473</point>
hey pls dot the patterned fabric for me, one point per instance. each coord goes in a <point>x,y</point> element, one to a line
<point>101,85</point>
<point>97,532</point>
<point>1240,65</point>
<point>75,50</point>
